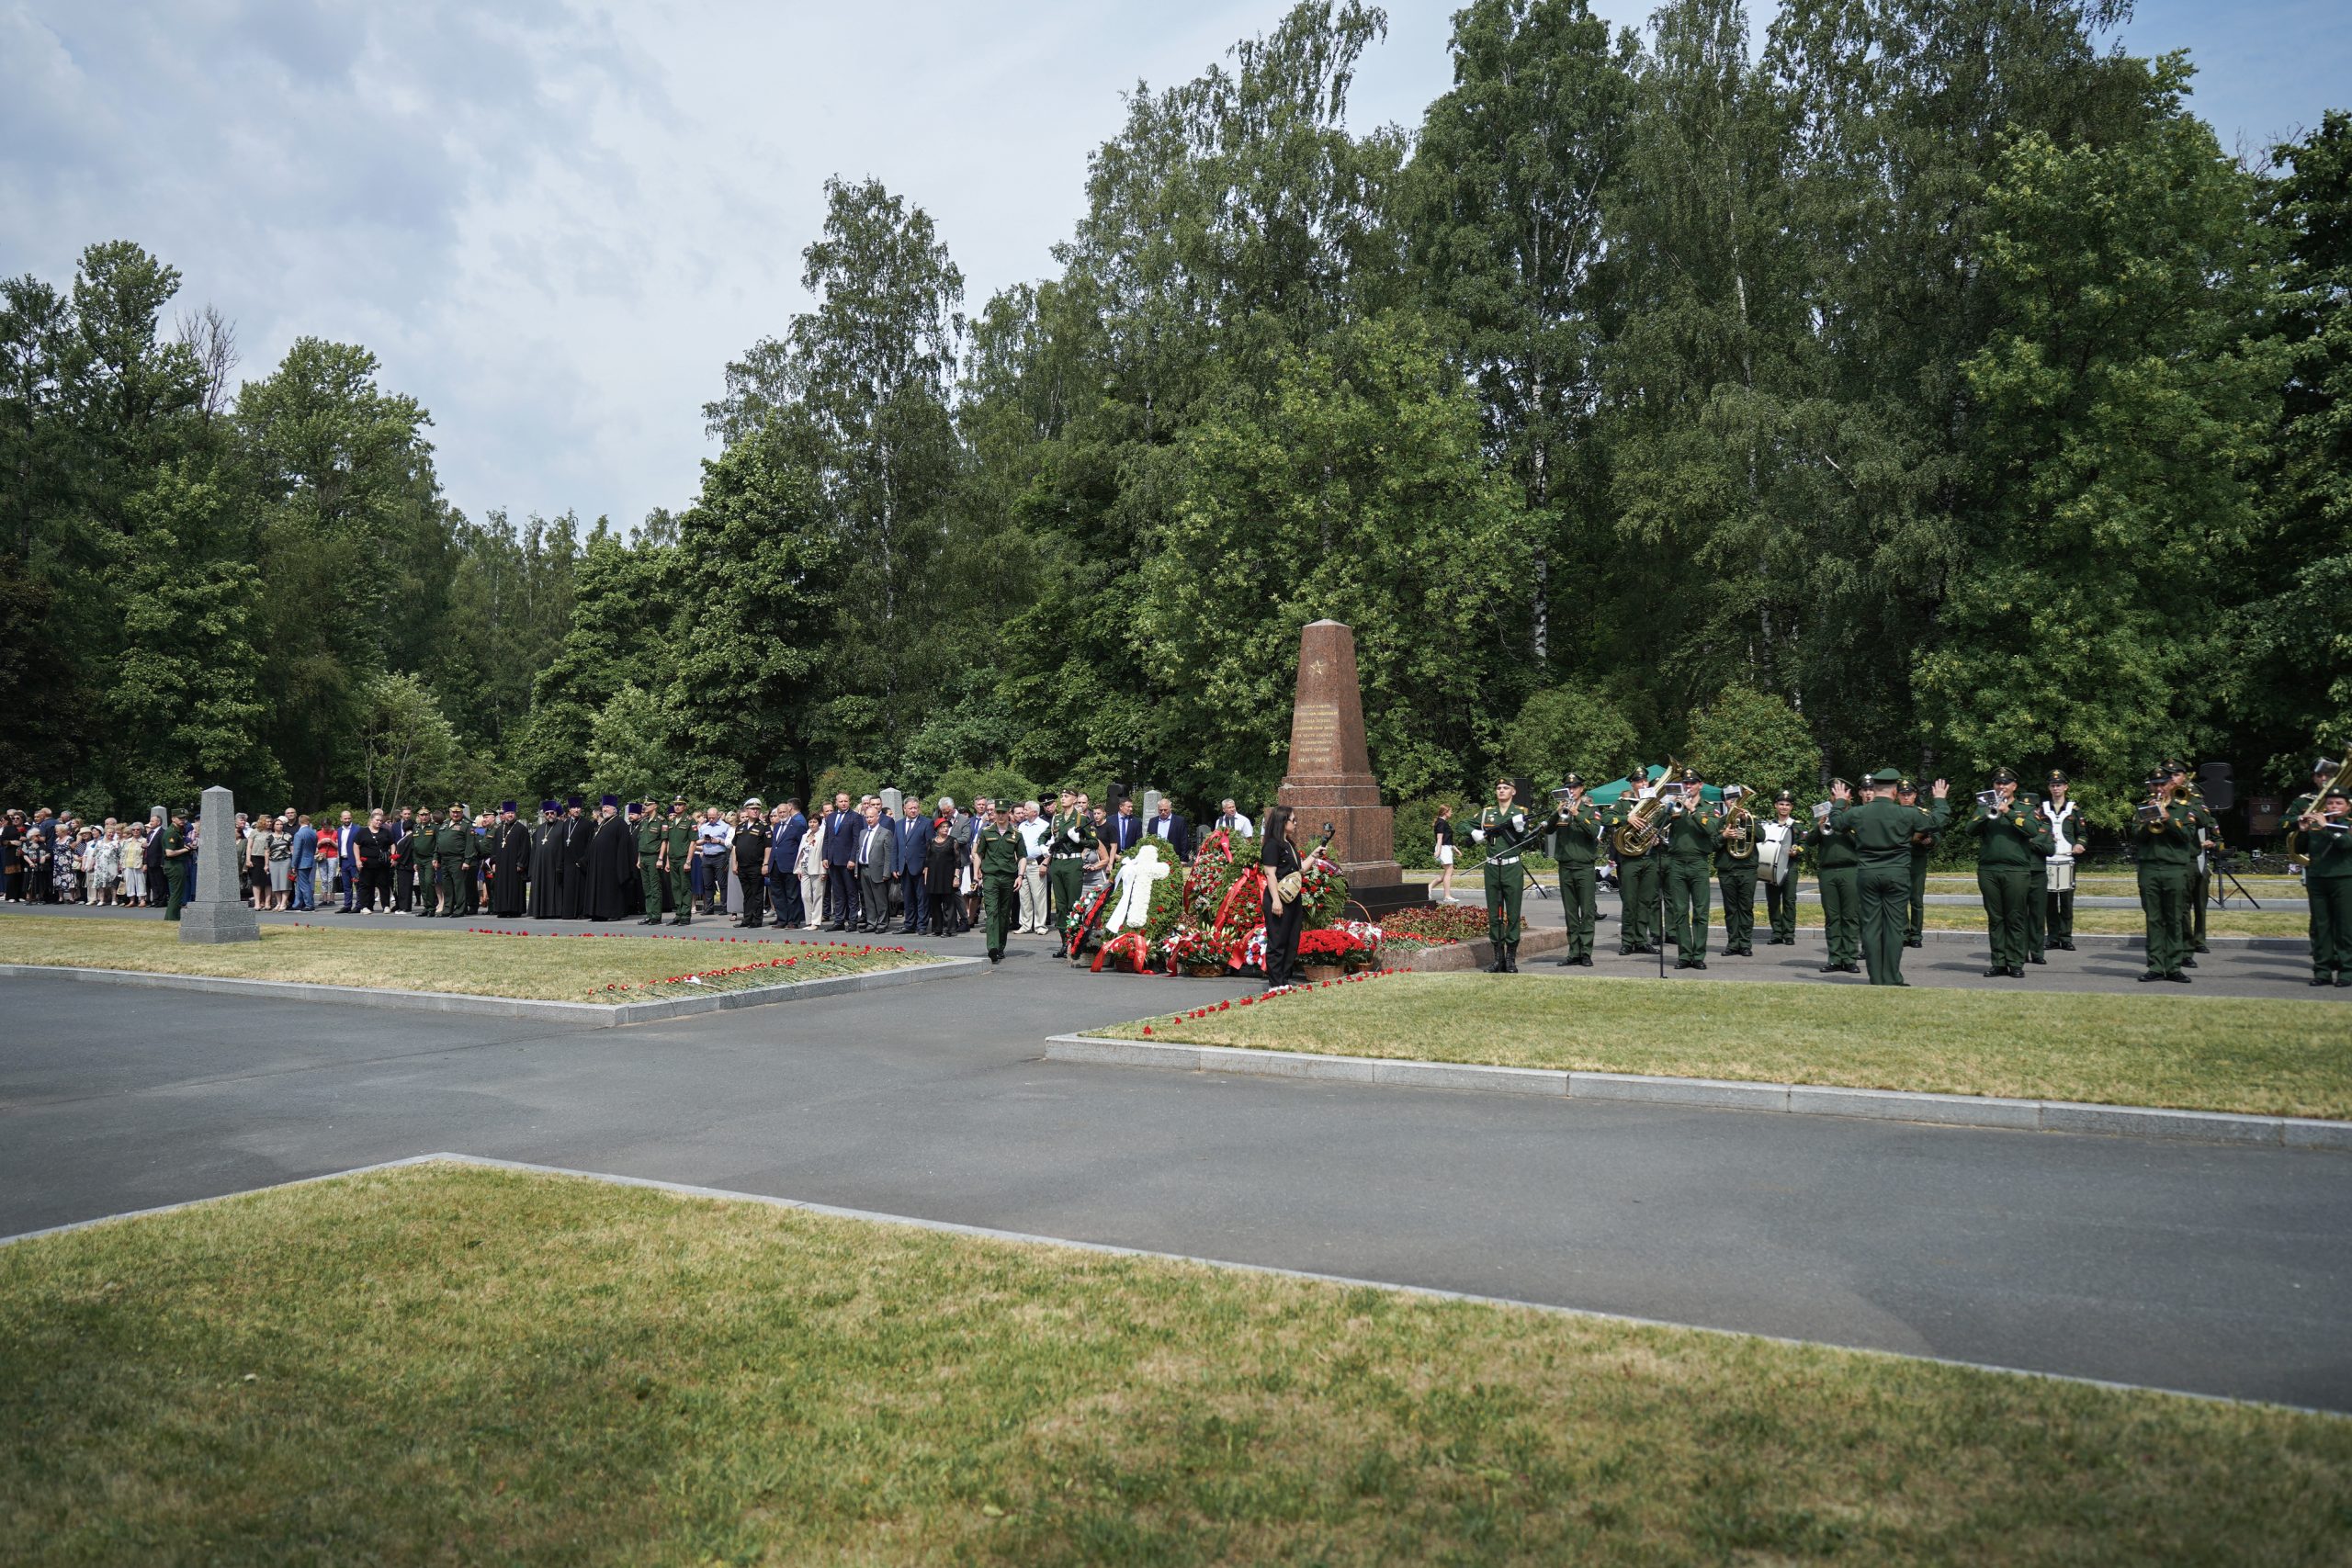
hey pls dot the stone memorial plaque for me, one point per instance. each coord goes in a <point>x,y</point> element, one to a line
<point>891,801</point>
<point>215,914</point>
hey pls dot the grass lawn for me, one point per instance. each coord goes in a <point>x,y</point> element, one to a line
<point>2191,1053</point>
<point>453,1365</point>
<point>585,967</point>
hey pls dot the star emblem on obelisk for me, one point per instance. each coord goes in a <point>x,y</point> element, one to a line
<point>1320,667</point>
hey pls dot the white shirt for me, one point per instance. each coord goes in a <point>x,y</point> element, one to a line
<point>1033,836</point>
<point>1238,822</point>
<point>2058,820</point>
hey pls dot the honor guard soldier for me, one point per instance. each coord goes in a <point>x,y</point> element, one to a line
<point>1066,844</point>
<point>2067,830</point>
<point>1575,832</point>
<point>1836,867</point>
<point>1691,830</point>
<point>676,862</point>
<point>1777,840</point>
<point>2320,833</point>
<point>453,859</point>
<point>999,850</point>
<point>1735,873</point>
<point>1882,829</point>
<point>1923,844</point>
<point>1502,828</point>
<point>2011,842</point>
<point>1637,864</point>
<point>652,838</point>
<point>2164,843</point>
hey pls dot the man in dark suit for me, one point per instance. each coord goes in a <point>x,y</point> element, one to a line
<point>908,854</point>
<point>347,867</point>
<point>876,857</point>
<point>788,828</point>
<point>841,830</point>
<point>1124,832</point>
<point>1172,830</point>
<point>152,855</point>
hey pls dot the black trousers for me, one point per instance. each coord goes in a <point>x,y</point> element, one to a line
<point>878,902</point>
<point>753,903</point>
<point>376,886</point>
<point>840,885</point>
<point>1282,944</point>
<point>783,898</point>
<point>403,886</point>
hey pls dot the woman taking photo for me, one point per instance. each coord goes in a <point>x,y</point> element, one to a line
<point>1279,859</point>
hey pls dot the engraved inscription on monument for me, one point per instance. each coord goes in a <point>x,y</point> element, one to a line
<point>1330,779</point>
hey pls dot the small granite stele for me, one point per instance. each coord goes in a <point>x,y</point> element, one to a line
<point>216,914</point>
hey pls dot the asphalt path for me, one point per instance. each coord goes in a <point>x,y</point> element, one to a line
<point>2215,1269</point>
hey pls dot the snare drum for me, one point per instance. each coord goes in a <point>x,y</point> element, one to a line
<point>1772,859</point>
<point>2061,874</point>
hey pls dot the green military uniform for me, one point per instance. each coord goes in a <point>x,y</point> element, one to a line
<point>650,833</point>
<point>1881,832</point>
<point>1923,845</point>
<point>2165,851</point>
<point>1638,871</point>
<point>2327,885</point>
<point>1065,863</point>
<point>1691,837</point>
<point>418,847</point>
<point>1501,828</point>
<point>2209,839</point>
<point>2037,887</point>
<point>1575,845</point>
<point>2012,841</point>
<point>1837,868</point>
<point>454,853</point>
<point>678,838</point>
<point>1001,854</point>
<point>1735,876</point>
<point>2065,818</point>
<point>175,870</point>
<point>1781,896</point>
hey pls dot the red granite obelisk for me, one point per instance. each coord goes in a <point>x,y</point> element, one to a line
<point>1329,778</point>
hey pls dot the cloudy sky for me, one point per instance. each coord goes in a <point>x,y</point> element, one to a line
<point>555,222</point>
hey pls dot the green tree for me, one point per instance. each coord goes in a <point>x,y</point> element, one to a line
<point>1753,738</point>
<point>1566,729</point>
<point>409,753</point>
<point>624,623</point>
<point>632,747</point>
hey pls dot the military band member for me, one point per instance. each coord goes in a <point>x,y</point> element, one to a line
<point>1502,828</point>
<point>1637,867</point>
<point>653,836</point>
<point>1836,866</point>
<point>2036,889</point>
<point>2321,832</point>
<point>1691,832</point>
<point>1576,834</point>
<point>1780,883</point>
<point>2164,843</point>
<point>2010,841</point>
<point>1882,829</point>
<point>2067,829</point>
<point>1735,873</point>
<point>1923,845</point>
<point>2208,844</point>
<point>675,862</point>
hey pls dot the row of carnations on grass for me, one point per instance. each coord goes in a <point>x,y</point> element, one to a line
<point>1230,1003</point>
<point>711,976</point>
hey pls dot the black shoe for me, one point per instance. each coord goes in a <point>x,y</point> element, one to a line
<point>2344,982</point>
<point>2001,972</point>
<point>2033,958</point>
<point>1840,968</point>
<point>1683,964</point>
<point>996,955</point>
<point>2069,946</point>
<point>2189,963</point>
<point>2178,978</point>
<point>1496,966</point>
<point>2016,972</point>
<point>1913,942</point>
<point>2199,947</point>
<point>2150,975</point>
<point>837,926</point>
<point>2322,980</point>
<point>1698,964</point>
<point>1586,961</point>
<point>1851,968</point>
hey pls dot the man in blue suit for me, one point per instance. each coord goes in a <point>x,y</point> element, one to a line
<point>306,865</point>
<point>1124,832</point>
<point>842,827</point>
<point>790,827</point>
<point>913,846</point>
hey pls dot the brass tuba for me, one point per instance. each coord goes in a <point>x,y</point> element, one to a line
<point>1638,834</point>
<point>1739,826</point>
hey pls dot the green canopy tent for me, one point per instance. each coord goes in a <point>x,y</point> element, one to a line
<point>1607,794</point>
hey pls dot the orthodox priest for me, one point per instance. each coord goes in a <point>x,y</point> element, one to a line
<point>579,835</point>
<point>612,863</point>
<point>510,862</point>
<point>546,862</point>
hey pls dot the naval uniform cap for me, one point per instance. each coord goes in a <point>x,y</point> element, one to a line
<point>754,803</point>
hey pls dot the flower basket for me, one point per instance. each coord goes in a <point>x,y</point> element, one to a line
<point>1205,971</point>
<point>1318,973</point>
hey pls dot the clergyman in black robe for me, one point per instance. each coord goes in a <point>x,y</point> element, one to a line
<point>547,863</point>
<point>612,861</point>
<point>510,862</point>
<point>579,834</point>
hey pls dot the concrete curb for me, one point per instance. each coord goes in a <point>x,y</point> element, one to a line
<point>1798,1100</point>
<point>582,1015</point>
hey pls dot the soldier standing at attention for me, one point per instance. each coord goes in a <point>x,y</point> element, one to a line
<point>1780,890</point>
<point>1836,866</point>
<point>1502,826</point>
<point>1637,868</point>
<point>1735,873</point>
<point>418,847</point>
<point>175,852</point>
<point>676,863</point>
<point>1881,829</point>
<point>2323,835</point>
<point>2010,842</point>
<point>1692,827</point>
<point>2067,829</point>
<point>750,847</point>
<point>653,836</point>
<point>2164,843</point>
<point>453,859</point>
<point>999,850</point>
<point>1065,842</point>
<point>1575,845</point>
<point>1923,844</point>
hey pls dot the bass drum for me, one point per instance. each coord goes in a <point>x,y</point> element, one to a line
<point>2061,874</point>
<point>1771,860</point>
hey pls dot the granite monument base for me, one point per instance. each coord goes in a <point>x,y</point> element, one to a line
<point>216,914</point>
<point>208,924</point>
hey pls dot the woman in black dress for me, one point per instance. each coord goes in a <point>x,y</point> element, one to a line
<point>1278,858</point>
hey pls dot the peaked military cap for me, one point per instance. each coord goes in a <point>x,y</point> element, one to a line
<point>2004,775</point>
<point>1885,775</point>
<point>1574,781</point>
<point>755,804</point>
<point>2175,770</point>
<point>677,800</point>
<point>1785,794</point>
<point>2058,776</point>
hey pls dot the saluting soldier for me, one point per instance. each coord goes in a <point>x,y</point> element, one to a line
<point>1637,867</point>
<point>1923,844</point>
<point>1882,829</point>
<point>1575,844</point>
<point>2321,832</point>
<point>999,850</point>
<point>652,837</point>
<point>2010,842</point>
<point>677,861</point>
<point>1692,827</point>
<point>1502,826</point>
<point>1780,831</point>
<point>1837,868</point>
<point>2164,843</point>
<point>1735,873</point>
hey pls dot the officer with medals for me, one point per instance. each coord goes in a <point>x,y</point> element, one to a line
<point>999,850</point>
<point>2010,842</point>
<point>1923,844</point>
<point>1882,829</point>
<point>1837,869</point>
<point>1735,873</point>
<point>1637,865</point>
<point>2163,844</point>
<point>2320,833</point>
<point>1502,826</point>
<point>675,862</point>
<point>1690,831</point>
<point>653,836</point>
<point>1576,830</point>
